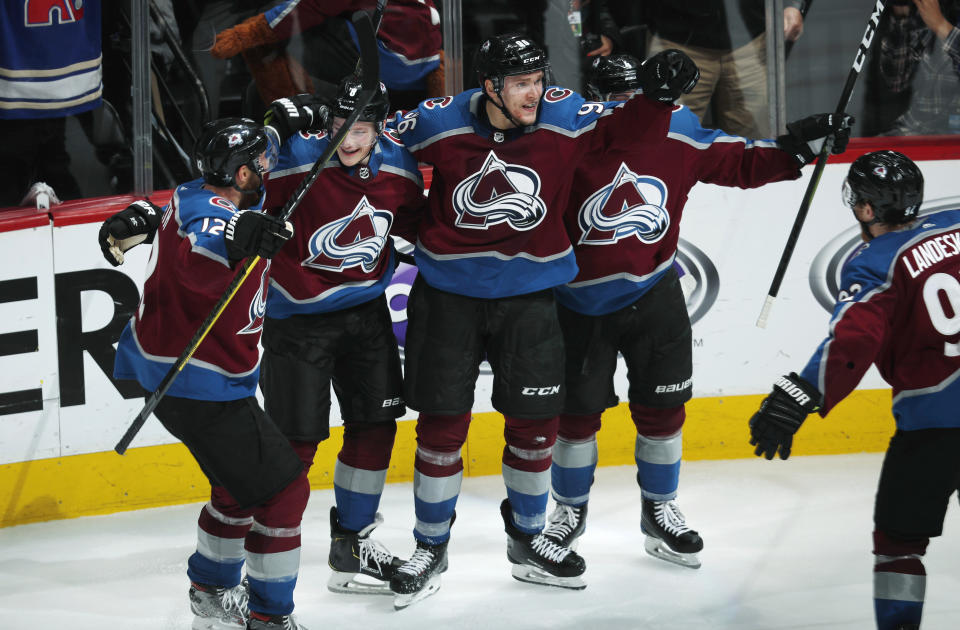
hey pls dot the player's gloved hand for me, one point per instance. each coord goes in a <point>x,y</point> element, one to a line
<point>254,233</point>
<point>128,228</point>
<point>296,113</point>
<point>781,414</point>
<point>805,137</point>
<point>668,74</point>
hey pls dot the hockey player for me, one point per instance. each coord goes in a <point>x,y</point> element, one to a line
<point>489,251</point>
<point>624,221</point>
<point>259,487</point>
<point>327,316</point>
<point>899,308</point>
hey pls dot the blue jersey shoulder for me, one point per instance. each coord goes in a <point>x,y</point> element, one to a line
<point>882,252</point>
<point>394,154</point>
<point>300,149</point>
<point>202,217</point>
<point>436,116</point>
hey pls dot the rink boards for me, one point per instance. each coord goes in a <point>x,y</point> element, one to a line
<point>62,307</point>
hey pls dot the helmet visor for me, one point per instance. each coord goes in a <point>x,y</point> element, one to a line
<point>268,159</point>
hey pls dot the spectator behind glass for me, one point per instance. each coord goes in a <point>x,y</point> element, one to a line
<point>726,40</point>
<point>50,61</point>
<point>920,51</point>
<point>295,44</point>
<point>576,31</point>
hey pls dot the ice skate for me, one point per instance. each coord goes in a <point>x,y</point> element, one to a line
<point>273,622</point>
<point>218,608</point>
<point>566,524</point>
<point>360,565</point>
<point>419,577</point>
<point>540,560</point>
<point>668,536</point>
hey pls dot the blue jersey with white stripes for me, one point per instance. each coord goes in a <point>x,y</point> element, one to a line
<point>50,61</point>
<point>899,308</point>
<point>627,201</point>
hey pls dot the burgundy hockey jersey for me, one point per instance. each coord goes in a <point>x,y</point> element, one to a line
<point>495,221</point>
<point>341,253</point>
<point>187,273</point>
<point>899,308</point>
<point>627,202</point>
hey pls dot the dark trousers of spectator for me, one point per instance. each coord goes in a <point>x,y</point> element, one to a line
<point>33,150</point>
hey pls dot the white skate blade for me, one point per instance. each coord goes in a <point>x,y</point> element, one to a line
<point>659,549</point>
<point>533,575</point>
<point>210,623</point>
<point>357,584</point>
<point>401,601</point>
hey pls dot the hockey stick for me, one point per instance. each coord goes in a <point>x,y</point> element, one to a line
<point>370,81</point>
<point>858,61</point>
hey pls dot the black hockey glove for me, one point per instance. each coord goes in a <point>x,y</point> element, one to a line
<point>251,232</point>
<point>805,137</point>
<point>781,414</point>
<point>296,113</point>
<point>668,74</point>
<point>128,228</point>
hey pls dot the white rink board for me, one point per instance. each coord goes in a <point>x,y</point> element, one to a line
<point>738,233</point>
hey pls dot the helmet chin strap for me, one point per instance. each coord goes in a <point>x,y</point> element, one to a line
<point>865,225</point>
<point>503,109</point>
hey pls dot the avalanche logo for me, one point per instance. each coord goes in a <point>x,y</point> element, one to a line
<point>233,140</point>
<point>630,205</point>
<point>258,306</point>
<point>499,193</point>
<point>354,240</point>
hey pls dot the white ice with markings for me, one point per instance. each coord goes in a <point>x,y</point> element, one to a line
<point>787,545</point>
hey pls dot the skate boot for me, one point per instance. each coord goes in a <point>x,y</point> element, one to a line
<point>566,524</point>
<point>218,608</point>
<point>419,577</point>
<point>540,560</point>
<point>273,622</point>
<point>668,536</point>
<point>354,554</point>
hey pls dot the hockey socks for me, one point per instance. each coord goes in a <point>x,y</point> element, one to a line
<point>218,560</point>
<point>437,475</point>
<point>273,549</point>
<point>658,448</point>
<point>574,458</point>
<point>361,472</point>
<point>899,581</point>
<point>526,470</point>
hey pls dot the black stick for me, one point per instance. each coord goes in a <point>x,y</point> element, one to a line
<point>858,61</point>
<point>370,81</point>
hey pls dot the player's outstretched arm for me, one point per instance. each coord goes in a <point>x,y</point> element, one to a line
<point>135,224</point>
<point>781,414</point>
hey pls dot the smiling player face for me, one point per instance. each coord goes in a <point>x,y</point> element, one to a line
<point>356,146</point>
